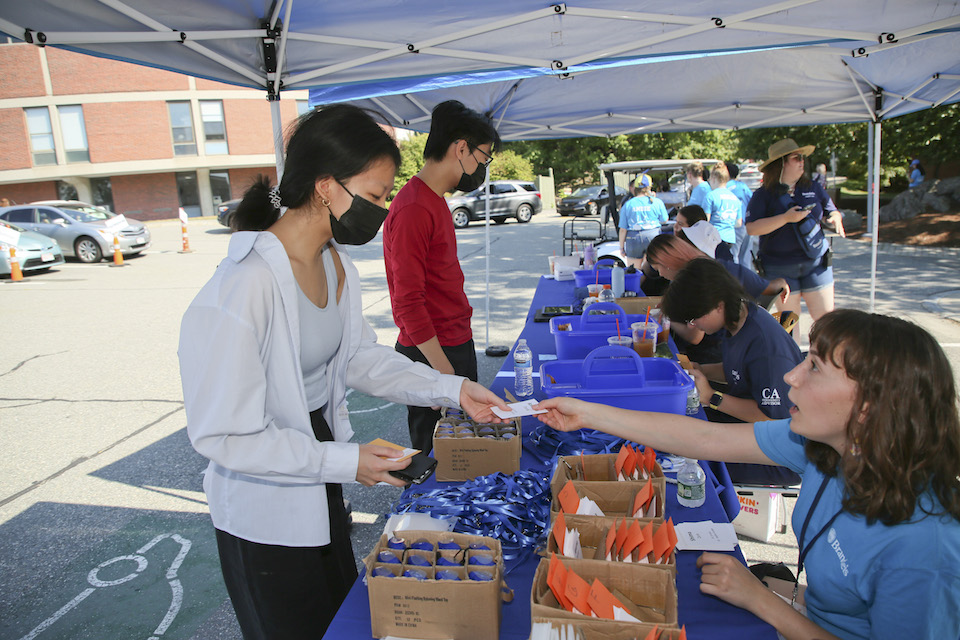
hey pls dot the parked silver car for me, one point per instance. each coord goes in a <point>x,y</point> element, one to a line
<point>82,230</point>
<point>34,251</point>
<point>508,199</point>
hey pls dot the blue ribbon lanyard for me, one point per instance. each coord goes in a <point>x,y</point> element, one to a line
<point>804,550</point>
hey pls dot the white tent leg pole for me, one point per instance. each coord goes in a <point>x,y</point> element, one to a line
<point>875,207</point>
<point>277,136</point>
<point>486,236</point>
<point>871,178</point>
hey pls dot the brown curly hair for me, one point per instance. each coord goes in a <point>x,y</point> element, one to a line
<point>907,426</point>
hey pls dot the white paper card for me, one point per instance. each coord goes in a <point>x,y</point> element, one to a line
<point>588,508</point>
<point>706,536</point>
<point>519,409</point>
<point>571,544</point>
<point>116,223</point>
<point>620,615</point>
<point>546,356</point>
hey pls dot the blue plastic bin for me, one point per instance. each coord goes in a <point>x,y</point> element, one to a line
<point>602,273</point>
<point>591,330</point>
<point>618,377</point>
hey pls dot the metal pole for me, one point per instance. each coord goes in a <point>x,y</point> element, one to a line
<point>870,180</point>
<point>277,135</point>
<point>486,238</point>
<point>875,207</point>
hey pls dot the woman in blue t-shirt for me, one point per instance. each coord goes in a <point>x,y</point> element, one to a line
<point>916,173</point>
<point>875,435</point>
<point>755,354</point>
<point>785,211</point>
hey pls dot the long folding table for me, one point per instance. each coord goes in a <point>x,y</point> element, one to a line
<point>704,616</point>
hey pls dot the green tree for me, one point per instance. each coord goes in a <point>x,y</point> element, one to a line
<point>510,165</point>
<point>411,159</point>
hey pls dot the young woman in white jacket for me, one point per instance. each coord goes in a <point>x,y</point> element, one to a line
<point>267,350</point>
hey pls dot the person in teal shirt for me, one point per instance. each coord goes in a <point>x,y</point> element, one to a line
<point>723,209</point>
<point>640,220</point>
<point>745,243</point>
<point>875,435</point>
<point>698,186</point>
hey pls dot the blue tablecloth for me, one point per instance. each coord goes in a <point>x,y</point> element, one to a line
<point>704,616</point>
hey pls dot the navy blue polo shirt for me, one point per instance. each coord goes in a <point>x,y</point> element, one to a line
<point>756,359</point>
<point>752,283</point>
<point>782,246</point>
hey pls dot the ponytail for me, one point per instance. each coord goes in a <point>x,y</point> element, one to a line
<point>255,212</point>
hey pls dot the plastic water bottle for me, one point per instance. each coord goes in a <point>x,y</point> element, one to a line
<point>693,401</point>
<point>606,294</point>
<point>589,256</point>
<point>691,484</point>
<point>616,281</point>
<point>523,370</point>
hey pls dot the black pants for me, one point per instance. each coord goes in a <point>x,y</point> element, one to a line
<point>422,420</point>
<point>290,592</point>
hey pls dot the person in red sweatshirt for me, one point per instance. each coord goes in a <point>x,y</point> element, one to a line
<point>420,253</point>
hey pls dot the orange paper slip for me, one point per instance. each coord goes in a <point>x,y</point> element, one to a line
<point>402,452</point>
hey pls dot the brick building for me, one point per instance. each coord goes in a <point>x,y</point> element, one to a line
<point>138,140</point>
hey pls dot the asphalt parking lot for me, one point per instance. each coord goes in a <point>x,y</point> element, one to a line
<point>101,507</point>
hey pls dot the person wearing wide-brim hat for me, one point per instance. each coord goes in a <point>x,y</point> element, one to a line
<point>786,212</point>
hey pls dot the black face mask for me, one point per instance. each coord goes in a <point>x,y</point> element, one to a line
<point>360,223</point>
<point>470,181</point>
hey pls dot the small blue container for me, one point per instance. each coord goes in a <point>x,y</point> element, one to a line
<point>418,561</point>
<point>479,546</point>
<point>383,572</point>
<point>447,562</point>
<point>419,574</point>
<point>447,574</point>
<point>388,557</point>
<point>449,545</point>
<point>480,576</point>
<point>482,561</point>
<point>590,330</point>
<point>423,545</point>
<point>602,273</point>
<point>618,377</point>
<point>396,543</point>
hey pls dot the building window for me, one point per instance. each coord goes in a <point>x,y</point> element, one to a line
<point>181,127</point>
<point>220,186</point>
<point>214,131</point>
<point>188,192</point>
<point>102,191</point>
<point>74,134</point>
<point>66,191</point>
<point>41,136</point>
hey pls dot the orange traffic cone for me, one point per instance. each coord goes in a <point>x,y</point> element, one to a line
<point>16,275</point>
<point>183,232</point>
<point>117,254</point>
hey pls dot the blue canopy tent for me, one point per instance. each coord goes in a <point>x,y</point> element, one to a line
<point>571,69</point>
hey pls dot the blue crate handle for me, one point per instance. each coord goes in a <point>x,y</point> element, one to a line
<point>605,263</point>
<point>589,317</point>
<point>612,361</point>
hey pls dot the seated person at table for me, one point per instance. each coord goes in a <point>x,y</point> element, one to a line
<point>756,353</point>
<point>690,215</point>
<point>876,436</point>
<point>669,254</point>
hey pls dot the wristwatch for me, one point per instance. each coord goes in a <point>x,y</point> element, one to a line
<point>715,400</point>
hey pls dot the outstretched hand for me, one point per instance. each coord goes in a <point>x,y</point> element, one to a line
<point>725,577</point>
<point>564,414</point>
<point>478,401</point>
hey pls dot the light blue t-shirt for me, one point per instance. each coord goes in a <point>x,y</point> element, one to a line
<point>870,581</point>
<point>743,194</point>
<point>699,193</point>
<point>723,209</point>
<point>642,212</point>
<point>916,178</point>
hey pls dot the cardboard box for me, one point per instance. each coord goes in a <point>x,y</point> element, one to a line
<point>614,498</point>
<point>639,304</point>
<point>435,609</point>
<point>653,591</point>
<point>466,453</point>
<point>759,512</point>
<point>593,531</point>
<point>598,467</point>
<point>597,630</point>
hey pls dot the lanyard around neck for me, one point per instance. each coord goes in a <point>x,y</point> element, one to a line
<point>804,550</point>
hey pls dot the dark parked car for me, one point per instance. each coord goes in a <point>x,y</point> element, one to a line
<point>225,211</point>
<point>508,199</point>
<point>588,201</point>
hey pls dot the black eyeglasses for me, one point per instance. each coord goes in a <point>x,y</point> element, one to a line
<point>488,156</point>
